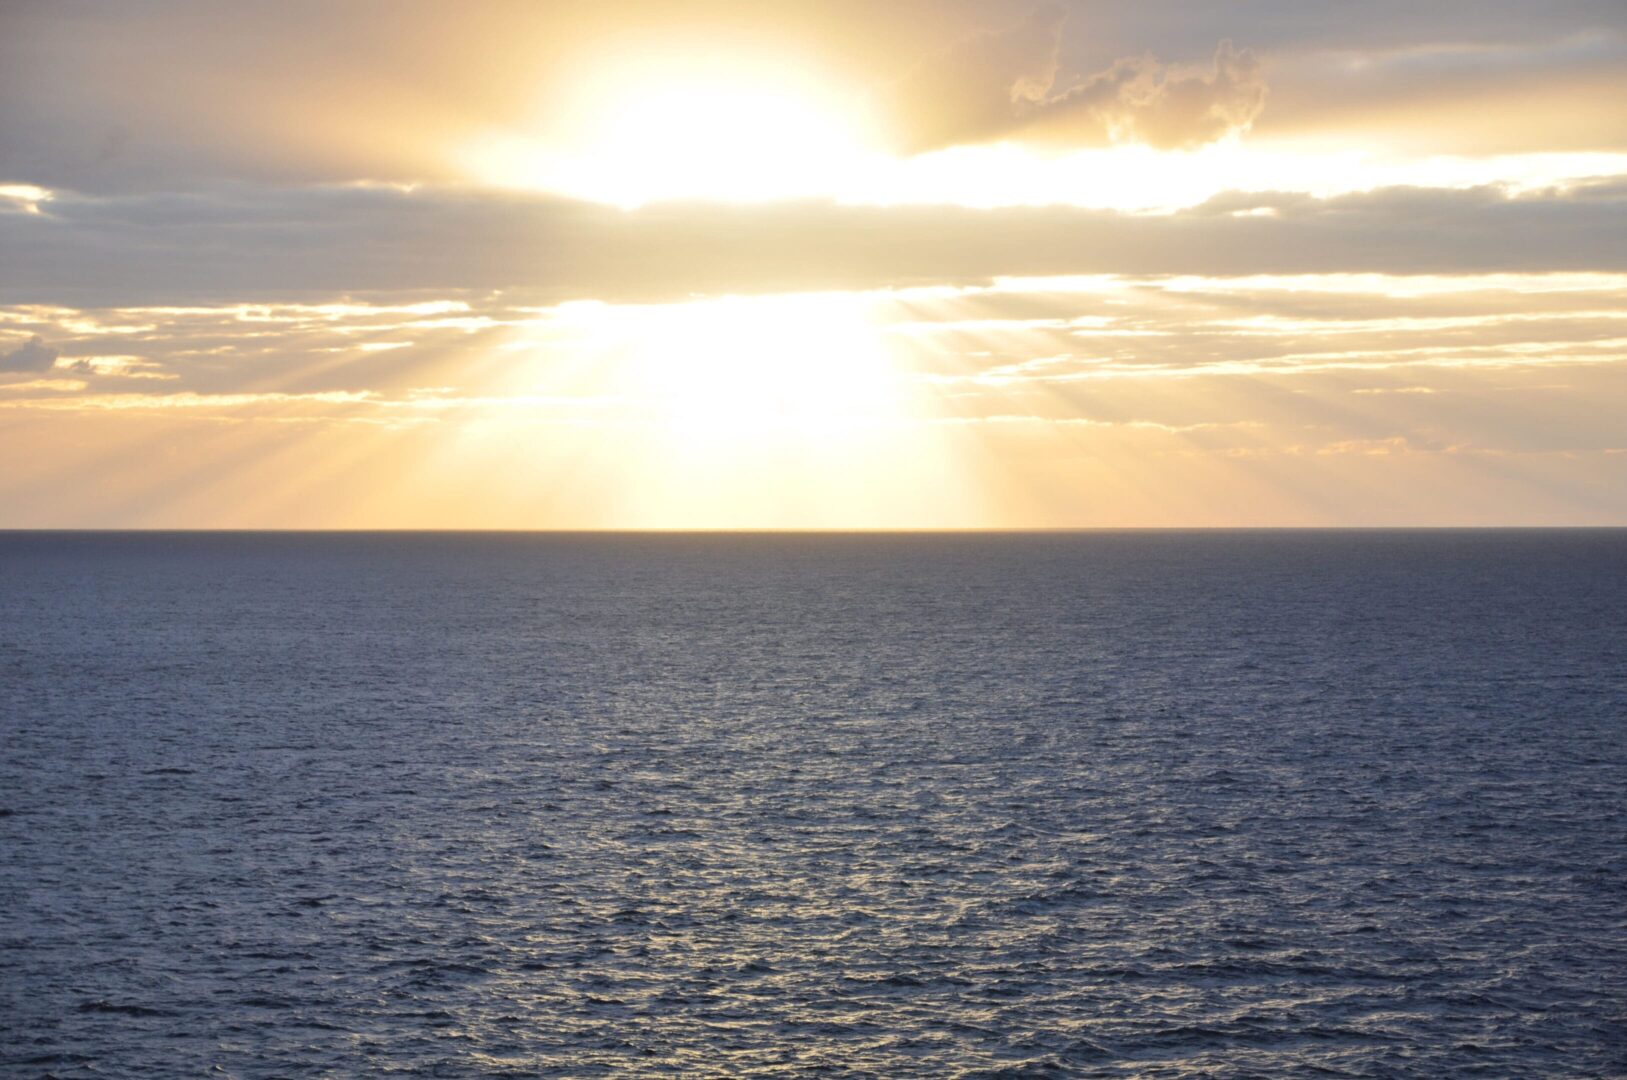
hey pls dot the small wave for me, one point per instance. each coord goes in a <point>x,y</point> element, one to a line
<point>122,1010</point>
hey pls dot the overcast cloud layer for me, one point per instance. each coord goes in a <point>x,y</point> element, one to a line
<point>256,242</point>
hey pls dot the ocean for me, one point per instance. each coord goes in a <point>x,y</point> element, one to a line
<point>1159,804</point>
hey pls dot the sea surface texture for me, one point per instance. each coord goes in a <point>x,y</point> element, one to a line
<point>1113,804</point>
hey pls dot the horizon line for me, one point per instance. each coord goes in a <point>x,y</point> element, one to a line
<point>796,531</point>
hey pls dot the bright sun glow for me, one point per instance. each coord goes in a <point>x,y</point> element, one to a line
<point>808,364</point>
<point>648,128</point>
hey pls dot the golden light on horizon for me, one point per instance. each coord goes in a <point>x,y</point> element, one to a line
<point>726,411</point>
<point>727,375</point>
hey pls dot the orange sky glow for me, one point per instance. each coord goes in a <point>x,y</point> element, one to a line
<point>943,265</point>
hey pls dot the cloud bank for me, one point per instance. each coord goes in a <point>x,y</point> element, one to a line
<point>265,242</point>
<point>1304,399</point>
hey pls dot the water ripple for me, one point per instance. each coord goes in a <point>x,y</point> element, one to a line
<point>1112,805</point>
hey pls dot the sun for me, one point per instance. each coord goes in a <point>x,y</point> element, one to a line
<point>647,126</point>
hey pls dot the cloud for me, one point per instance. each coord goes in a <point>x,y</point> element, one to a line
<point>1361,334</point>
<point>32,355</point>
<point>1140,100</point>
<point>273,243</point>
<point>1003,83</point>
<point>1445,96</point>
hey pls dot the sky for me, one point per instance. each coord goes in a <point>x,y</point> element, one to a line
<point>957,264</point>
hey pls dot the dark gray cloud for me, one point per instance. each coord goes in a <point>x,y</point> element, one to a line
<point>1099,30</point>
<point>262,242</point>
<point>32,356</point>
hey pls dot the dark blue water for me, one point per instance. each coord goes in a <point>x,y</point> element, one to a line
<point>1162,804</point>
